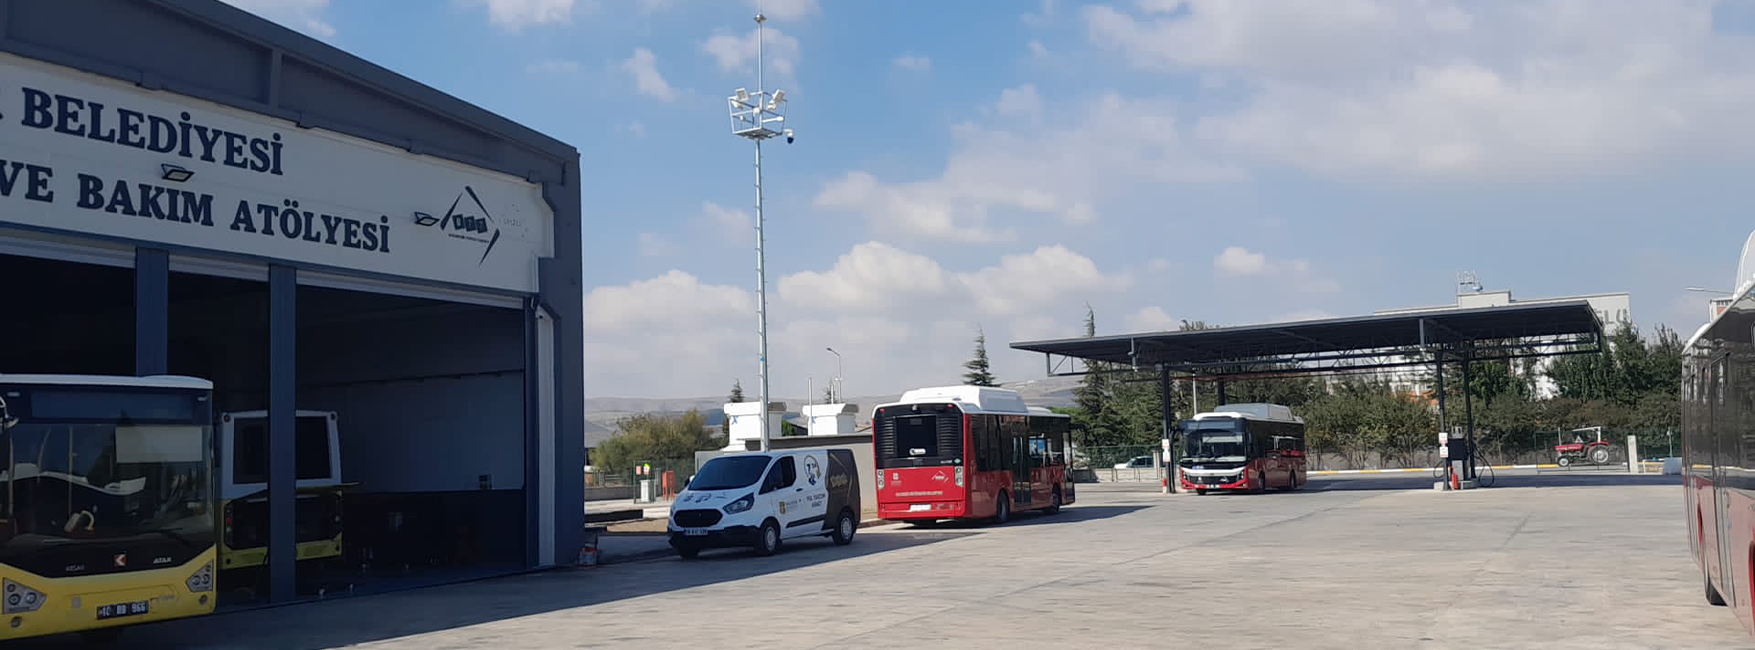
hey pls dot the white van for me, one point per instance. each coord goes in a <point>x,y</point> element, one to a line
<point>758,499</point>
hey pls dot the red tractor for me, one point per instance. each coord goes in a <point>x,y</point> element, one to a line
<point>1595,452</point>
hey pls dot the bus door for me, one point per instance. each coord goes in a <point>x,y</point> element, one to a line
<point>1721,439</point>
<point>1017,431</point>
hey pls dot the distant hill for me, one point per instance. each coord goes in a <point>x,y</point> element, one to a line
<point>606,411</point>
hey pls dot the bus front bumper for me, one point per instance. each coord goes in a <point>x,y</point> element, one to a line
<point>75,604</point>
<point>1240,482</point>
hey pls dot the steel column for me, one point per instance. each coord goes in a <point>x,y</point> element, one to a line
<point>1169,427</point>
<point>282,403</point>
<point>152,329</point>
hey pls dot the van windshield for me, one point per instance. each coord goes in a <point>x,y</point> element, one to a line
<point>729,473</point>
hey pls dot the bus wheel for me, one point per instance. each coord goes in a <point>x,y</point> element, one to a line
<point>769,542</point>
<point>1199,492</point>
<point>103,636</point>
<point>845,525</point>
<point>1712,595</point>
<point>1054,503</point>
<point>1002,510</point>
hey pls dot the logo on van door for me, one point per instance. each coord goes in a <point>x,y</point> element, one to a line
<point>812,471</point>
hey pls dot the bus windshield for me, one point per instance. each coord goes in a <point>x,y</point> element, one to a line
<point>729,473</point>
<point>84,468</point>
<point>1216,445</point>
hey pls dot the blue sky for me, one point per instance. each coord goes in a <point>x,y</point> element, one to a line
<point>999,165</point>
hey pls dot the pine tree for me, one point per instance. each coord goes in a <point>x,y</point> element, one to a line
<point>828,395</point>
<point>736,391</point>
<point>979,372</point>
<point>1094,396</point>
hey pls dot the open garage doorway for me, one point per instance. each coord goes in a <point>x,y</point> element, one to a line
<point>59,317</point>
<point>218,330</point>
<point>429,403</point>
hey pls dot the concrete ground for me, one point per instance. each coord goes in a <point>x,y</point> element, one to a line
<point>1580,560</point>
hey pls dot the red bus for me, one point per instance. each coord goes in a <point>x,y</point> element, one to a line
<point>968,452</point>
<point>1718,459</point>
<point>1249,447</point>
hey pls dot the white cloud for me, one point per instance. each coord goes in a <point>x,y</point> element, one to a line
<point>1446,90</point>
<point>675,301</point>
<point>1022,101</point>
<point>736,53</point>
<point>515,15</point>
<point>1108,144</point>
<point>1237,261</point>
<point>1044,16</point>
<point>786,9</point>
<point>303,15</point>
<point>635,128</point>
<point>1151,319</point>
<point>656,245</point>
<point>553,66</point>
<point>873,277</point>
<point>915,62</point>
<point>643,67</point>
<point>653,6</point>
<point>1038,50</point>
<point>1024,282</point>
<point>731,225</point>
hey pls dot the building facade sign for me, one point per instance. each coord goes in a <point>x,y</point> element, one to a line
<point>87,154</point>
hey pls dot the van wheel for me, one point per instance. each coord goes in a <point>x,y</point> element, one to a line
<point>688,551</point>
<point>1002,510</point>
<point>845,526</point>
<point>1712,595</point>
<point>769,541</point>
<point>1053,503</point>
<point>101,637</point>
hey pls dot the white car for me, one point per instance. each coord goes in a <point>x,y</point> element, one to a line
<point>1135,463</point>
<point>758,499</point>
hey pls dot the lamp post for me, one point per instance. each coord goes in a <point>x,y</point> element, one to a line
<point>838,377</point>
<point>759,116</point>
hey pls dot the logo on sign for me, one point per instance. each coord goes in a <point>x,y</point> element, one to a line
<point>121,559</point>
<point>812,471</point>
<point>469,220</point>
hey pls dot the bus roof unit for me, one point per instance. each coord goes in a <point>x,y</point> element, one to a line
<point>1252,411</point>
<point>971,399</point>
<point>150,381</point>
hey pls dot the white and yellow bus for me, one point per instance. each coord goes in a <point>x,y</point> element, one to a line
<point>107,517</point>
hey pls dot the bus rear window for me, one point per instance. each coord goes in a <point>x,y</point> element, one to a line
<point>916,436</point>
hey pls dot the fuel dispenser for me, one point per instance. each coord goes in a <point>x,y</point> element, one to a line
<point>1454,449</point>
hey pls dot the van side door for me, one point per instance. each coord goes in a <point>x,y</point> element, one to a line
<point>812,490</point>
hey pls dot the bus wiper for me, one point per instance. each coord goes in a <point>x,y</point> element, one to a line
<point>171,533</point>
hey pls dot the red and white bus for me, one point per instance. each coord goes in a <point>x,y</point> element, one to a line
<point>1249,447</point>
<point>968,452</point>
<point>1718,457</point>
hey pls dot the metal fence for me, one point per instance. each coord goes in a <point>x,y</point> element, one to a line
<point>1117,463</point>
<point>682,469</point>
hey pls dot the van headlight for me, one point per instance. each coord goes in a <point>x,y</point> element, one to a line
<point>748,501</point>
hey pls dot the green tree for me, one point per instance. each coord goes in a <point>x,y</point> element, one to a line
<point>979,372</point>
<point>736,391</point>
<point>655,437</point>
<point>829,395</point>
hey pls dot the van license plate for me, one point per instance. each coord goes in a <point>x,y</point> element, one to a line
<point>695,532</point>
<point>919,507</point>
<point>118,610</point>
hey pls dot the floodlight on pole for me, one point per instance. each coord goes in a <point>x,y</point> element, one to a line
<point>838,378</point>
<point>759,116</point>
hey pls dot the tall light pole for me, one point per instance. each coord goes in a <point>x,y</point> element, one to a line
<point>838,377</point>
<point>759,116</point>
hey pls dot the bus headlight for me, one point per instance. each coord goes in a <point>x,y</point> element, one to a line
<point>748,501</point>
<point>202,580</point>
<point>880,474</point>
<point>959,476</point>
<point>20,599</point>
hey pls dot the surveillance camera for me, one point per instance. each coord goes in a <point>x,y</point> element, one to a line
<point>788,134</point>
